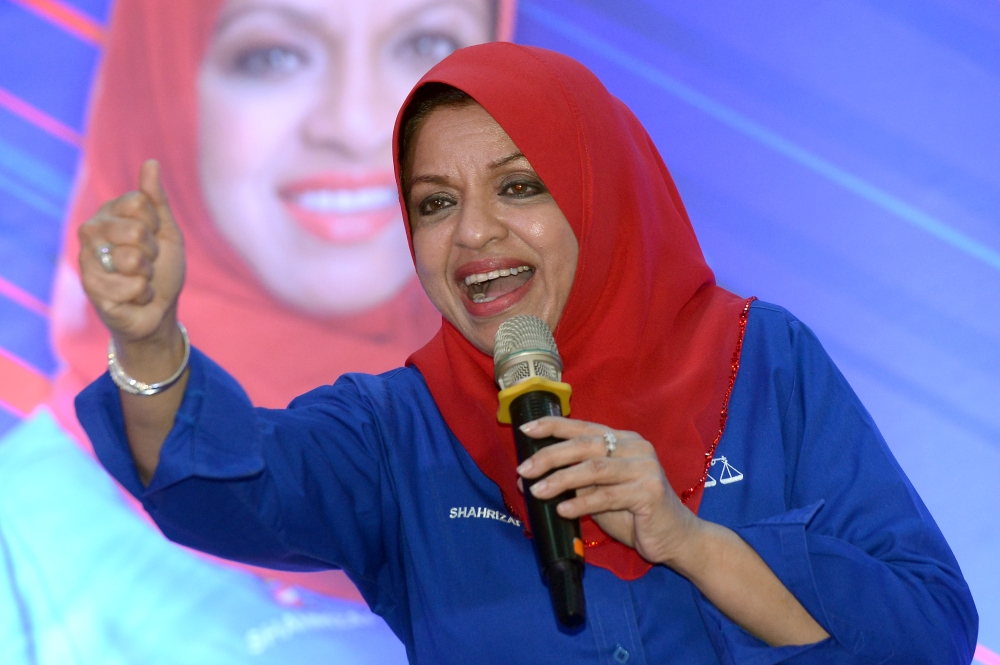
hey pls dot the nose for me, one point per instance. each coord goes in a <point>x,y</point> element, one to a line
<point>478,223</point>
<point>350,115</point>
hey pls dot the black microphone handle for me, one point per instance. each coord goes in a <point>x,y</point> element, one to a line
<point>554,535</point>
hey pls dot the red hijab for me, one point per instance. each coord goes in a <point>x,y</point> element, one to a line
<point>649,342</point>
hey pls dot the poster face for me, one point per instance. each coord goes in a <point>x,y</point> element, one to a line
<point>839,159</point>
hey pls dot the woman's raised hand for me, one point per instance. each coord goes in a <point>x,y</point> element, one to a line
<point>135,285</point>
<point>626,493</point>
<point>132,268</point>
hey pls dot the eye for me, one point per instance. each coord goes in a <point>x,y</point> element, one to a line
<point>430,47</point>
<point>270,62</point>
<point>434,204</point>
<point>522,189</point>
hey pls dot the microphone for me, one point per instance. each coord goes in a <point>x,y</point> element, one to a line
<point>528,370</point>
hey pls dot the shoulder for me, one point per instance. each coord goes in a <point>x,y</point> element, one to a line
<point>777,333</point>
<point>780,351</point>
<point>402,383</point>
<point>770,319</point>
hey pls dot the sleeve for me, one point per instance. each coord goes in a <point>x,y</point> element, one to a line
<point>857,547</point>
<point>297,489</point>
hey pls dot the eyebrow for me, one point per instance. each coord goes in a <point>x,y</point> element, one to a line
<point>293,16</point>
<point>514,156</point>
<point>443,181</point>
<point>432,179</point>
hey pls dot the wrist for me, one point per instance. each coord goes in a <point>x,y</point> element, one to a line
<point>693,555</point>
<point>155,357</point>
<point>165,337</point>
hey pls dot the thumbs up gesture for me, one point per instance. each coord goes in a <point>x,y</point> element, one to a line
<point>132,265</point>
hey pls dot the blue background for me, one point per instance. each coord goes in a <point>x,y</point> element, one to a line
<point>840,158</point>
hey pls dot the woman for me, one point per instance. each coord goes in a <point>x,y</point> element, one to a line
<point>512,157</point>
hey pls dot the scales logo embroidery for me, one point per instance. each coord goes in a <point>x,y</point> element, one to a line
<point>729,473</point>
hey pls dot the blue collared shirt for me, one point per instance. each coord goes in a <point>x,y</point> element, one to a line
<point>366,476</point>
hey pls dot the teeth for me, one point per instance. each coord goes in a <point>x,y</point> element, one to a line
<point>347,201</point>
<point>479,278</point>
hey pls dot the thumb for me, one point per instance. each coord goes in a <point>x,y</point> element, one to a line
<point>151,185</point>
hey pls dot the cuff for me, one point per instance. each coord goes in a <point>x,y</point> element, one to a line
<point>781,543</point>
<point>99,410</point>
<point>214,433</point>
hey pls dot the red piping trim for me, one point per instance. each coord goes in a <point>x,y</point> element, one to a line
<point>724,415</point>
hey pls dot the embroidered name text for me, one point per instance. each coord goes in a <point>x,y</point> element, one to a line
<point>482,513</point>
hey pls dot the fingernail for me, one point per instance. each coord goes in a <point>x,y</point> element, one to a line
<point>525,467</point>
<point>539,487</point>
<point>527,427</point>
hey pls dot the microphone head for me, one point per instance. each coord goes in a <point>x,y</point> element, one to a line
<point>523,348</point>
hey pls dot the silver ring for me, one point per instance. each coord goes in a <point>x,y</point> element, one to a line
<point>104,254</point>
<point>610,442</point>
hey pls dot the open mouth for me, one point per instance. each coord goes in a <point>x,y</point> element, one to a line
<point>342,209</point>
<point>486,287</point>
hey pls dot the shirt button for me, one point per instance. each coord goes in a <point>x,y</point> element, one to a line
<point>621,655</point>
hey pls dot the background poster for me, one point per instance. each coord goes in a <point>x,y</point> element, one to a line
<point>841,159</point>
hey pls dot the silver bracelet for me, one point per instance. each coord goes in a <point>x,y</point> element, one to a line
<point>137,387</point>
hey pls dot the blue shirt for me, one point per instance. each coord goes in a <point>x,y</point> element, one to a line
<point>365,475</point>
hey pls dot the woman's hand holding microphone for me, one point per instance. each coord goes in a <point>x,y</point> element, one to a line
<point>620,483</point>
<point>132,269</point>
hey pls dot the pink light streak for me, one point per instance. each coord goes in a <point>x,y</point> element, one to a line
<point>12,409</point>
<point>985,656</point>
<point>23,298</point>
<point>67,18</point>
<point>38,118</point>
<point>22,387</point>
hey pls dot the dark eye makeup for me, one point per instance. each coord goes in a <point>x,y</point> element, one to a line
<point>516,187</point>
<point>521,187</point>
<point>435,203</point>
